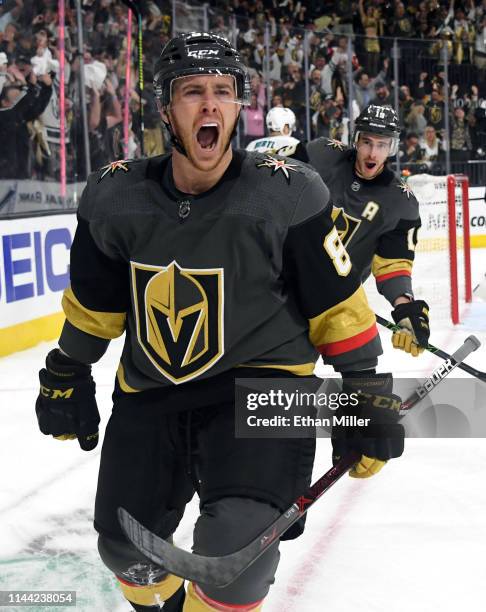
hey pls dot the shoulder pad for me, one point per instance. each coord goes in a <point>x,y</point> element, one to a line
<point>404,188</point>
<point>118,167</point>
<point>281,165</point>
<point>277,185</point>
<point>325,151</point>
<point>100,195</point>
<point>335,144</point>
<point>406,197</point>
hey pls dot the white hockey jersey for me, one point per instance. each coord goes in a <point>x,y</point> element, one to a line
<point>273,144</point>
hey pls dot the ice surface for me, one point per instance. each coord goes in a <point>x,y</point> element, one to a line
<point>411,539</point>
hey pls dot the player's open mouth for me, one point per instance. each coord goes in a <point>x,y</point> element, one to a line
<point>370,165</point>
<point>207,136</point>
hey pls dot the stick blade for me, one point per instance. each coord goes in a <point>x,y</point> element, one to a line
<point>217,571</point>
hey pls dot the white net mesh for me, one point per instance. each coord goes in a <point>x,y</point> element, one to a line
<point>431,270</point>
<point>431,275</point>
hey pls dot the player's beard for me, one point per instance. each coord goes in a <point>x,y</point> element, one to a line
<point>187,141</point>
<point>366,173</point>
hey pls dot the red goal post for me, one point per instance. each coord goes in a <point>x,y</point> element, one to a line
<point>442,268</point>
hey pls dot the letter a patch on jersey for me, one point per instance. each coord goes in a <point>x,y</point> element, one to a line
<point>179,317</point>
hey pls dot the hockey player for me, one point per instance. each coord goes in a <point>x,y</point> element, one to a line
<point>280,123</point>
<point>377,216</point>
<point>216,264</point>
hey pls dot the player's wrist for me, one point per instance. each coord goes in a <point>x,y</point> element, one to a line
<point>63,367</point>
<point>402,299</point>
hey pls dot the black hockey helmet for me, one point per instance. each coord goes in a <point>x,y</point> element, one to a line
<point>197,53</point>
<point>380,120</point>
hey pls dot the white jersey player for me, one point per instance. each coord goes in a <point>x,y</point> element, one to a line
<point>280,123</point>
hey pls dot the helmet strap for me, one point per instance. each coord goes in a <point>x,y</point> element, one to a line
<point>176,143</point>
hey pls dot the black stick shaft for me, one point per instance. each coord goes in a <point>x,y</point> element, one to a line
<point>435,350</point>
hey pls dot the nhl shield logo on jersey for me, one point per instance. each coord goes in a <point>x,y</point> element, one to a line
<point>112,167</point>
<point>279,164</point>
<point>179,317</point>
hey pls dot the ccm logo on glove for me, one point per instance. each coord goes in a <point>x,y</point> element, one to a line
<point>56,393</point>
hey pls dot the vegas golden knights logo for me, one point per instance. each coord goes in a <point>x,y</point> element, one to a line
<point>435,114</point>
<point>346,225</point>
<point>179,317</point>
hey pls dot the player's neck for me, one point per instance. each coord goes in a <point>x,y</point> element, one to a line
<point>192,180</point>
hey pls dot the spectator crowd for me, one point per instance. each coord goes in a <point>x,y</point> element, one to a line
<point>324,59</point>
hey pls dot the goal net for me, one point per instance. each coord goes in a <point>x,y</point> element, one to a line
<point>442,266</point>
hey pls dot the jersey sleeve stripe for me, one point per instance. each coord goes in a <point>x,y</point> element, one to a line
<point>384,267</point>
<point>107,325</point>
<point>332,349</point>
<point>346,320</point>
<point>384,277</point>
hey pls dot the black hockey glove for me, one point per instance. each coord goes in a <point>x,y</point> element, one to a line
<point>378,439</point>
<point>413,318</point>
<point>66,406</point>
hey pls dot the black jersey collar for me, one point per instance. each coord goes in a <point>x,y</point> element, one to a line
<point>160,170</point>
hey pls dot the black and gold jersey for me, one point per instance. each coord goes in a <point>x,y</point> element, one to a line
<point>377,220</point>
<point>250,273</point>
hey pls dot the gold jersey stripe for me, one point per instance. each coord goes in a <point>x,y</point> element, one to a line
<point>107,325</point>
<point>149,594</point>
<point>120,374</point>
<point>349,318</point>
<point>300,369</point>
<point>382,266</point>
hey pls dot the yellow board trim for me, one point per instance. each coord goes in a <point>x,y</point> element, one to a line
<point>478,242</point>
<point>152,594</point>
<point>442,243</point>
<point>107,325</point>
<point>349,318</point>
<point>29,333</point>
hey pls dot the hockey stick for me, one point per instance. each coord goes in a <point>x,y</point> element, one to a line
<point>221,571</point>
<point>436,351</point>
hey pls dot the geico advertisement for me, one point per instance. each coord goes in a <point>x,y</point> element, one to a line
<point>34,266</point>
<point>477,211</point>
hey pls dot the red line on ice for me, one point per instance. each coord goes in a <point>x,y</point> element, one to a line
<point>290,600</point>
